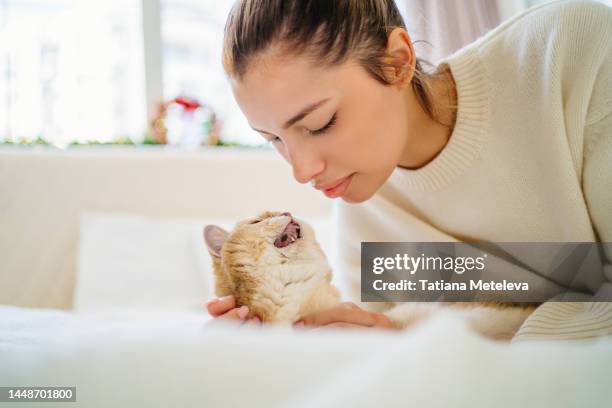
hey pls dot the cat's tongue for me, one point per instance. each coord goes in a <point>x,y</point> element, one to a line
<point>289,235</point>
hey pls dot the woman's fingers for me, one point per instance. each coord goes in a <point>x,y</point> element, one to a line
<point>219,306</point>
<point>236,313</point>
<point>347,313</point>
<point>225,308</point>
<point>350,305</point>
<point>340,313</point>
<point>340,325</point>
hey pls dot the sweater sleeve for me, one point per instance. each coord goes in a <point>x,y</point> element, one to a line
<point>589,318</point>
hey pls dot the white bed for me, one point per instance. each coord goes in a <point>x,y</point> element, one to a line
<point>176,358</point>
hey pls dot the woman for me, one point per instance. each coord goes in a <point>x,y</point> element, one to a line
<point>510,139</point>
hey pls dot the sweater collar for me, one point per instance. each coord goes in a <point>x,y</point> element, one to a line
<point>468,136</point>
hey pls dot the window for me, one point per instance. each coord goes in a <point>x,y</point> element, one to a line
<point>83,70</point>
<point>71,70</point>
<point>192,39</point>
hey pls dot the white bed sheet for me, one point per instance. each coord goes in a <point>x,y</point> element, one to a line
<point>176,358</point>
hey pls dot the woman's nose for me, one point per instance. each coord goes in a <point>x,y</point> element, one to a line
<point>305,160</point>
<point>306,168</point>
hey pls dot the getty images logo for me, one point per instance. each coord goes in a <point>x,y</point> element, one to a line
<point>414,264</point>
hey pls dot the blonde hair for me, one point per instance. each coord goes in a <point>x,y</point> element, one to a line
<point>329,32</point>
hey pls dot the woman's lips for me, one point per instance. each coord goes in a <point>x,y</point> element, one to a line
<point>340,188</point>
<point>330,186</point>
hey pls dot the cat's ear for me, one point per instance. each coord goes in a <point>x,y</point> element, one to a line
<point>214,237</point>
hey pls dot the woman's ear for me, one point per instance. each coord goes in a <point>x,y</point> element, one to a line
<point>214,237</point>
<point>401,58</point>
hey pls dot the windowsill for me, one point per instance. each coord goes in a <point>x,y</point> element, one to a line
<point>143,149</point>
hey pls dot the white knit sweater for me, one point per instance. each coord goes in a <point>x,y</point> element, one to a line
<point>529,159</point>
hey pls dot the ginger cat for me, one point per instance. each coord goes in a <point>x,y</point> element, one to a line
<point>273,264</point>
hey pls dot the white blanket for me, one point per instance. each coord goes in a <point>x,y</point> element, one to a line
<point>177,358</point>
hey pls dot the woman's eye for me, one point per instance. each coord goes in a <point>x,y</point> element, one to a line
<point>324,128</point>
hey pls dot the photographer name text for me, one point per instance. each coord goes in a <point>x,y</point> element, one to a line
<point>442,285</point>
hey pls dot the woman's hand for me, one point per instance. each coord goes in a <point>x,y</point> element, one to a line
<point>225,308</point>
<point>346,315</point>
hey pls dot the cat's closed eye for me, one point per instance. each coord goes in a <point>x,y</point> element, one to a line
<point>254,221</point>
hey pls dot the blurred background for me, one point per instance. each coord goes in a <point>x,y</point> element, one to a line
<point>149,71</point>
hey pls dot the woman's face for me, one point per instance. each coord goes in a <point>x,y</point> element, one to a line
<point>328,123</point>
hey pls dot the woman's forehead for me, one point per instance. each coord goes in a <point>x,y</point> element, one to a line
<point>279,77</point>
<point>282,91</point>
<point>269,93</point>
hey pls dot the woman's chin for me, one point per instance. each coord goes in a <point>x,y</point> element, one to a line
<point>353,198</point>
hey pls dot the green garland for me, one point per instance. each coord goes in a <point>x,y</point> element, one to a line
<point>121,141</point>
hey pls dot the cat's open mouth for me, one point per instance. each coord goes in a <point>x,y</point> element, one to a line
<point>290,234</point>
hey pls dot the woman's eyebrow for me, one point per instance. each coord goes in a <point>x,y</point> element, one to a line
<point>301,115</point>
<point>304,112</point>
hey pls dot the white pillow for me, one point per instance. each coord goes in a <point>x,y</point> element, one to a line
<point>136,261</point>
